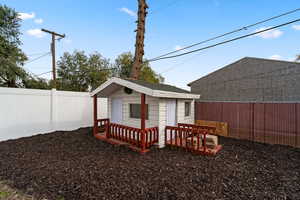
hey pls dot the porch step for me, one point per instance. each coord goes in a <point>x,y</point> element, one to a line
<point>103,137</point>
<point>211,140</point>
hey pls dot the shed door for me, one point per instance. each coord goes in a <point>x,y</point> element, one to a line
<point>116,110</point>
<point>171,113</point>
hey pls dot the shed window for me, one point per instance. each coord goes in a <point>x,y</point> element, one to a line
<point>135,111</point>
<point>187,109</point>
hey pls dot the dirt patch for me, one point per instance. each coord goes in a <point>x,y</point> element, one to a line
<point>7,193</point>
<point>75,165</point>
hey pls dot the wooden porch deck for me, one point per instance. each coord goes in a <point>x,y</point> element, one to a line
<point>102,136</point>
<point>139,140</point>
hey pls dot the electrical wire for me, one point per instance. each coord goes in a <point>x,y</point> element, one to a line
<point>224,42</point>
<point>32,60</point>
<point>229,33</point>
<point>36,54</point>
<point>44,73</point>
<point>106,69</point>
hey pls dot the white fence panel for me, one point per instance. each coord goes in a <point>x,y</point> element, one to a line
<point>26,112</point>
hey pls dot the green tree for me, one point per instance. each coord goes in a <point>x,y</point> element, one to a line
<point>123,65</point>
<point>37,83</point>
<point>79,72</point>
<point>11,56</point>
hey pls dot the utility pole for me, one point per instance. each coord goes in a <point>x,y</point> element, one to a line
<point>53,34</point>
<point>140,36</point>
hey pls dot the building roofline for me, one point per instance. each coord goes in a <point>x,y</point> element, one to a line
<point>244,58</point>
<point>144,90</point>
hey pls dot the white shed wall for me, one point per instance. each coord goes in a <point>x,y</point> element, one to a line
<point>162,116</point>
<point>181,118</point>
<point>135,98</point>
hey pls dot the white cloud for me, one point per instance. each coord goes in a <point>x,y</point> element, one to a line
<point>276,57</point>
<point>177,47</point>
<point>271,34</point>
<point>25,16</point>
<point>67,41</point>
<point>128,11</point>
<point>39,21</point>
<point>36,33</point>
<point>296,27</point>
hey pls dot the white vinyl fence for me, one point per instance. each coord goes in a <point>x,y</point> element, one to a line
<point>26,112</point>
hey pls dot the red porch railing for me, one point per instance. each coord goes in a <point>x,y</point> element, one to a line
<point>209,129</point>
<point>141,139</point>
<point>184,135</point>
<point>134,135</point>
<point>101,126</point>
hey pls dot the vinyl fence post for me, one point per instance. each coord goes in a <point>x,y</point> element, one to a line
<point>53,109</point>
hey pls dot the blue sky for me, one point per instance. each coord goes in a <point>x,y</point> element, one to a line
<point>108,27</point>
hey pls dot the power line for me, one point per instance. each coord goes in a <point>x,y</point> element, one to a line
<point>178,64</point>
<point>224,42</point>
<point>30,61</point>
<point>229,33</point>
<point>77,71</point>
<point>36,54</point>
<point>44,73</point>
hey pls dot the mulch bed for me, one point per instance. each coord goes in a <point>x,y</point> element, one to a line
<point>75,165</point>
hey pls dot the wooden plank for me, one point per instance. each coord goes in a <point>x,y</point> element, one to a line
<point>221,127</point>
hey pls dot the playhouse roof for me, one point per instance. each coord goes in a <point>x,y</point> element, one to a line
<point>151,89</point>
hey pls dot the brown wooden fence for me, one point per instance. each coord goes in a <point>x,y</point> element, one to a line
<point>273,123</point>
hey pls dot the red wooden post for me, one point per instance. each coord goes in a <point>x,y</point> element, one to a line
<point>108,129</point>
<point>143,121</point>
<point>95,115</point>
<point>166,131</point>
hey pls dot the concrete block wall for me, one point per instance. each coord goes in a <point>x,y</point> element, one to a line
<point>249,80</point>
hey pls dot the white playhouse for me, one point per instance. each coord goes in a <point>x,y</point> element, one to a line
<point>138,105</point>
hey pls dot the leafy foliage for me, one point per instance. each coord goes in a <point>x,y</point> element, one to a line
<point>79,72</point>
<point>37,83</point>
<point>123,65</point>
<point>11,56</point>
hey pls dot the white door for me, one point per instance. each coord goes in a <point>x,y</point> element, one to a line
<point>116,110</point>
<point>171,113</point>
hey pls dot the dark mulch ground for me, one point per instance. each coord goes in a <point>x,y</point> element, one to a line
<point>74,165</point>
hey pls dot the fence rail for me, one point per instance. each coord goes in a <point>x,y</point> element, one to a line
<point>273,123</point>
